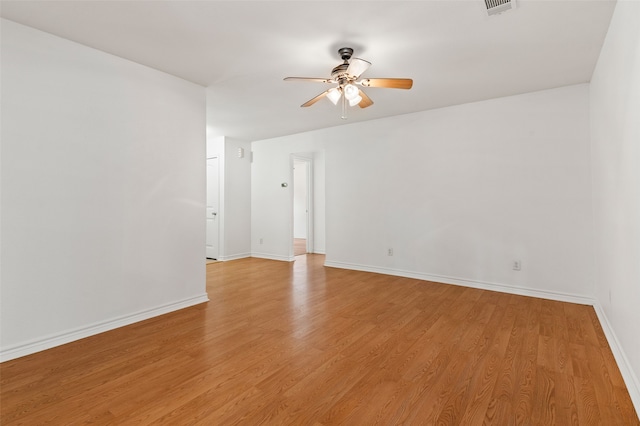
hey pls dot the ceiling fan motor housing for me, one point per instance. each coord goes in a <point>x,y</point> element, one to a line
<point>339,72</point>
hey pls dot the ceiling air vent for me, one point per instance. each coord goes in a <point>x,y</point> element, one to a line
<point>498,6</point>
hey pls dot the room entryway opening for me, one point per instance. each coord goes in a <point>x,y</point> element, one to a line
<point>213,189</point>
<point>302,205</point>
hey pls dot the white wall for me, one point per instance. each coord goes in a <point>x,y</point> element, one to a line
<point>237,200</point>
<point>102,191</point>
<point>615,136</point>
<point>234,193</point>
<point>271,204</point>
<point>458,193</point>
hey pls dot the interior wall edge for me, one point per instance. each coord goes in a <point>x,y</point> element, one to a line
<point>59,339</point>
<point>629,377</point>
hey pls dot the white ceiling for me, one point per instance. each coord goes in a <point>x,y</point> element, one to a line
<point>241,50</point>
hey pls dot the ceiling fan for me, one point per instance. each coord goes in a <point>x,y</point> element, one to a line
<point>347,77</point>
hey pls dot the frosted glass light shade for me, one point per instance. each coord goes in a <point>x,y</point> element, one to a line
<point>351,91</point>
<point>334,95</point>
<point>355,101</point>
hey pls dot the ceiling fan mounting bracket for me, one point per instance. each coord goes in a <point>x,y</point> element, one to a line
<point>345,53</point>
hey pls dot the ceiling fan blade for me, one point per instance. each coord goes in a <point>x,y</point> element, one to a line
<point>357,66</point>
<point>315,80</point>
<point>389,83</point>
<point>316,99</point>
<point>366,101</point>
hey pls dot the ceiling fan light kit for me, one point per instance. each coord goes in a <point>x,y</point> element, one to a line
<point>347,77</point>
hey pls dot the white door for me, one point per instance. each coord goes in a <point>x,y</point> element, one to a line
<point>213,219</point>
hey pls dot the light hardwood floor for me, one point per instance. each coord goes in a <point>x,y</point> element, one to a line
<point>299,246</point>
<point>298,343</point>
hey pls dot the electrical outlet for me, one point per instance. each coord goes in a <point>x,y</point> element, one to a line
<point>517,265</point>
<point>390,252</point>
<point>261,241</point>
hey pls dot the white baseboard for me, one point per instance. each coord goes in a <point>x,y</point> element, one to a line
<point>315,251</point>
<point>274,257</point>
<point>58,339</point>
<point>629,377</point>
<point>482,285</point>
<point>234,256</point>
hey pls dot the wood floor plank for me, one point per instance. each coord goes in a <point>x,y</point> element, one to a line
<point>526,366</point>
<point>479,393</point>
<point>544,407</point>
<point>587,404</point>
<point>566,405</point>
<point>299,343</point>
<point>506,392</point>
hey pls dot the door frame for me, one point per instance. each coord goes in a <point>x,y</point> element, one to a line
<point>308,159</point>
<point>218,215</point>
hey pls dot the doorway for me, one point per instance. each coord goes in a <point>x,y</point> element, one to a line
<point>213,188</point>
<point>302,205</point>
